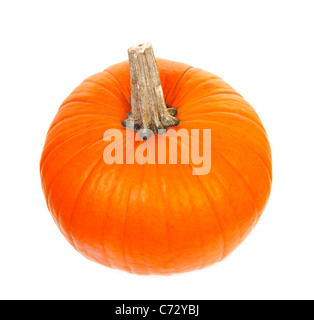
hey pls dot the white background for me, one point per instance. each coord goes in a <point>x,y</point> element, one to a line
<point>264,49</point>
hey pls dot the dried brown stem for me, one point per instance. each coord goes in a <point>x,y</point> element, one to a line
<point>149,110</point>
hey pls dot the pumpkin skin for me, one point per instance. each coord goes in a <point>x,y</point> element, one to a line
<point>156,218</point>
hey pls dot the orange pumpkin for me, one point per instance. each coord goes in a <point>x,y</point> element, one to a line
<point>156,218</point>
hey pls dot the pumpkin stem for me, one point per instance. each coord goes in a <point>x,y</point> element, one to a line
<point>149,110</point>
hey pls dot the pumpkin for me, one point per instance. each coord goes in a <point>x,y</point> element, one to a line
<point>155,218</point>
